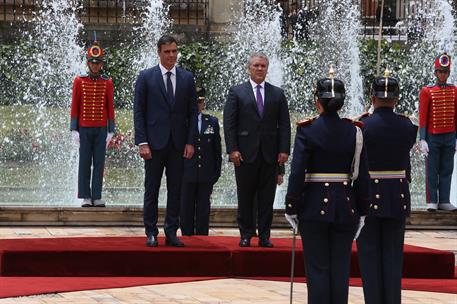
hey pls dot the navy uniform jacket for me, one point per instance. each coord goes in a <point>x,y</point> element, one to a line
<point>205,164</point>
<point>389,138</point>
<point>326,145</point>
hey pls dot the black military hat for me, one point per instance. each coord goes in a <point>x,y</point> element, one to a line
<point>200,93</point>
<point>385,87</point>
<point>330,87</point>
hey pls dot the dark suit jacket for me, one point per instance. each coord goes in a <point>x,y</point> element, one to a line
<point>205,164</point>
<point>248,132</point>
<point>155,118</point>
<point>389,138</point>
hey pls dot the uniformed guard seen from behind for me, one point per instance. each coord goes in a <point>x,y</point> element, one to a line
<point>389,138</point>
<point>92,125</point>
<point>328,193</point>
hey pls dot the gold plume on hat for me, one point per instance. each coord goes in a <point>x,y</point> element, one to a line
<point>331,72</point>
<point>387,74</point>
<point>331,75</point>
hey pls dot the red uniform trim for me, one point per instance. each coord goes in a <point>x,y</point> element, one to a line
<point>355,122</point>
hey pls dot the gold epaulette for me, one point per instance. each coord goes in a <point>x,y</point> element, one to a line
<point>355,122</point>
<point>359,117</point>
<point>306,122</point>
<point>412,118</point>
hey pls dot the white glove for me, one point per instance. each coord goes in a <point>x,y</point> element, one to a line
<point>75,136</point>
<point>109,136</point>
<point>424,147</point>
<point>293,221</point>
<point>361,224</point>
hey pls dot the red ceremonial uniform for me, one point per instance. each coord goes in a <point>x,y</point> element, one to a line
<point>438,109</point>
<point>438,124</point>
<point>92,120</point>
<point>92,103</point>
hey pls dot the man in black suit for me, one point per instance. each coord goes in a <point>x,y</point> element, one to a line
<point>201,172</point>
<point>165,118</point>
<point>257,136</point>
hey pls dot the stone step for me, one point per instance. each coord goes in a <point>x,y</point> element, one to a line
<point>133,216</point>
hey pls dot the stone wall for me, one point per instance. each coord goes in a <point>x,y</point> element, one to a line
<point>219,14</point>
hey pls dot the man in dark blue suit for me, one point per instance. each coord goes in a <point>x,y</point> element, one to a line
<point>165,118</point>
<point>389,138</point>
<point>201,172</point>
<point>257,136</point>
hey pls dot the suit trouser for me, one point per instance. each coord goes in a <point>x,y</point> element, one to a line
<point>92,149</point>
<point>439,167</point>
<point>327,250</point>
<point>171,159</point>
<point>258,177</point>
<point>380,251</point>
<point>195,207</point>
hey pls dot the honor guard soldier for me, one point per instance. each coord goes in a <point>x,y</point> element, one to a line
<point>201,172</point>
<point>438,124</point>
<point>328,192</point>
<point>389,138</point>
<point>92,125</point>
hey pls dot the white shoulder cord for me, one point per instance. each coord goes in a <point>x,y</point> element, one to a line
<point>357,152</point>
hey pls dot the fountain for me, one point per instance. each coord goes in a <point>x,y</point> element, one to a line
<point>41,115</point>
<point>48,74</point>
<point>49,176</point>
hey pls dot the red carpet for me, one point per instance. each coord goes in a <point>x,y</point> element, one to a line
<point>64,264</point>
<point>202,256</point>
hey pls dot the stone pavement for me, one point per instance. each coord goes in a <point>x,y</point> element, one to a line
<point>236,291</point>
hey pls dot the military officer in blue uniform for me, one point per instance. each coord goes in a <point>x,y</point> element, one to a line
<point>389,138</point>
<point>201,172</point>
<point>328,193</point>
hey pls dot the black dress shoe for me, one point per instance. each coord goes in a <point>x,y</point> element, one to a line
<point>152,241</point>
<point>245,243</point>
<point>174,241</point>
<point>265,243</point>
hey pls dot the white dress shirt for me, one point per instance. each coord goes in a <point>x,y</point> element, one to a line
<point>172,76</point>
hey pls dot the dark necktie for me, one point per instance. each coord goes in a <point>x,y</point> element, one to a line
<point>170,95</point>
<point>258,97</point>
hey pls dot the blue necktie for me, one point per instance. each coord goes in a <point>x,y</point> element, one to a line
<point>259,100</point>
<point>170,95</point>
